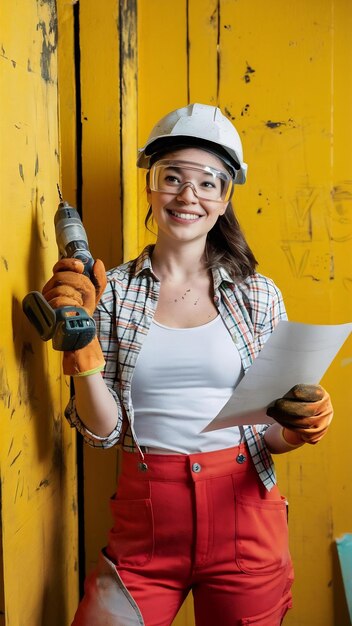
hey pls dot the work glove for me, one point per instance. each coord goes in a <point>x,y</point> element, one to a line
<point>70,287</point>
<point>305,413</point>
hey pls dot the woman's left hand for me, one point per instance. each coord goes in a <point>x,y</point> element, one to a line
<point>306,410</point>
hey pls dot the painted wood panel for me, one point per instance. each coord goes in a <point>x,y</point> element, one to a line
<point>38,476</point>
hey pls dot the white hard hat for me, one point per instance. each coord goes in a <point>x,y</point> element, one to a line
<point>195,125</point>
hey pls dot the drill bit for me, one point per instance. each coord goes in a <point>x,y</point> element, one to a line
<point>59,192</point>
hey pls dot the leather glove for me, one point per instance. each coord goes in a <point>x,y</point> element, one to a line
<point>305,412</point>
<point>70,287</point>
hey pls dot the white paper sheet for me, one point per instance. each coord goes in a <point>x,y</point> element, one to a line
<point>295,353</point>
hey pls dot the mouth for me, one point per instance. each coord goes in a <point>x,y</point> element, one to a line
<point>189,217</point>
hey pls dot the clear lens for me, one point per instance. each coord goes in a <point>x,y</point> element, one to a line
<point>208,183</point>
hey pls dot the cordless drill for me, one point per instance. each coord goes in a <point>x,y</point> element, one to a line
<point>69,327</point>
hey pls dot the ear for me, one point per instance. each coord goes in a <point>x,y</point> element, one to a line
<point>223,209</point>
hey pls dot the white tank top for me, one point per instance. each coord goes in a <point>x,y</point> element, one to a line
<point>183,377</point>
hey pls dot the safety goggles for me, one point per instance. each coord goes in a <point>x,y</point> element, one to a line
<point>207,183</point>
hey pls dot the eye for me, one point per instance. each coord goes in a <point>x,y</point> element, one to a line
<point>208,184</point>
<point>171,179</point>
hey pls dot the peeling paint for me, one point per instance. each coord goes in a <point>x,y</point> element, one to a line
<point>36,167</point>
<point>271,124</point>
<point>245,110</point>
<point>290,123</point>
<point>58,457</point>
<point>50,36</point>
<point>25,386</point>
<point>213,19</point>
<point>43,484</point>
<point>247,74</point>
<point>20,169</point>
<point>74,506</point>
<point>229,114</point>
<point>5,263</point>
<point>128,23</point>
<point>5,391</point>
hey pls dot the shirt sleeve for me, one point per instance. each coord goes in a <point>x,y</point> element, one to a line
<point>273,311</point>
<point>105,319</point>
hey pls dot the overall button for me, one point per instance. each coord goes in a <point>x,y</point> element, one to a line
<point>196,468</point>
<point>142,467</point>
<point>241,458</point>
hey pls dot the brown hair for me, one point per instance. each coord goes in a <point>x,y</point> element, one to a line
<point>226,246</point>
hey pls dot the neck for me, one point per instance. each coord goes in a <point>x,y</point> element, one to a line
<point>179,263</point>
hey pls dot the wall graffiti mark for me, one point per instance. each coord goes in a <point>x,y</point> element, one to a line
<point>318,223</point>
<point>306,243</point>
<point>340,223</point>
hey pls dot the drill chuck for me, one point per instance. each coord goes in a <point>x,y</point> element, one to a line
<point>71,236</point>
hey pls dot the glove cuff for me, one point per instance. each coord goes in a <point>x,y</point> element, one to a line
<point>290,438</point>
<point>84,362</point>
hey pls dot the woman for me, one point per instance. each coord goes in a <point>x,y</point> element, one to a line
<point>176,330</point>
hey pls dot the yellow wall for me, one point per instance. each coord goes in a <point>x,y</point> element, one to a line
<point>280,70</point>
<point>38,475</point>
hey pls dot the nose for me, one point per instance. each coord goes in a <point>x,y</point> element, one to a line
<point>188,193</point>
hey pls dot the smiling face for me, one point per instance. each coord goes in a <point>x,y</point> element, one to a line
<point>188,204</point>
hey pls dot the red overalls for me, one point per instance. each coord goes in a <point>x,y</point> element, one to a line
<point>202,523</point>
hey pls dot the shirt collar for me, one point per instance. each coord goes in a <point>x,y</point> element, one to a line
<point>220,274</point>
<point>144,263</point>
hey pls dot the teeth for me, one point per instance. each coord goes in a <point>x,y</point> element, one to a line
<point>185,216</point>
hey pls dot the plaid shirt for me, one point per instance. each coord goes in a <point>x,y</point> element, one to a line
<point>250,310</point>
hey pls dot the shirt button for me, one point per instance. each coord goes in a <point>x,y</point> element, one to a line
<point>196,468</point>
<point>241,458</point>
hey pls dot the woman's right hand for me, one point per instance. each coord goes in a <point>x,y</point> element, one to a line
<point>70,287</point>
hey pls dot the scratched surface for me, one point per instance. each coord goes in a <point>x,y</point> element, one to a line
<point>280,71</point>
<point>38,477</point>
